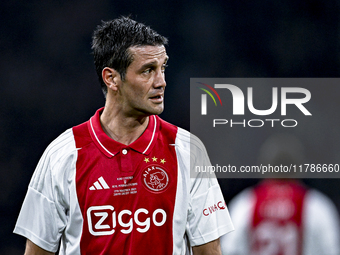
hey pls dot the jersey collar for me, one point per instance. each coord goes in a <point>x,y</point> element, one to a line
<point>111,147</point>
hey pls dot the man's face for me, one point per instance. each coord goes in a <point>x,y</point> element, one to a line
<point>142,91</point>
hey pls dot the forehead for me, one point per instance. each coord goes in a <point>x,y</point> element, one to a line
<point>148,52</point>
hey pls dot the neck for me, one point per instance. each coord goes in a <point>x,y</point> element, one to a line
<point>123,129</point>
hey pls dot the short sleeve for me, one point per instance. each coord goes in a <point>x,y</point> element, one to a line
<point>38,221</point>
<point>208,216</point>
<point>43,214</point>
<point>240,207</point>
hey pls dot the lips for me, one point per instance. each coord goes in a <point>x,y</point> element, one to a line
<point>156,98</point>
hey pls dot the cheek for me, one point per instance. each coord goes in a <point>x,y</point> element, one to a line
<point>138,88</point>
<point>141,91</point>
<point>137,95</point>
<point>134,91</point>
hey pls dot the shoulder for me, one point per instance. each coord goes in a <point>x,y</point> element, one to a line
<point>179,136</point>
<point>184,140</point>
<point>166,126</point>
<point>188,146</point>
<point>318,204</point>
<point>321,224</point>
<point>183,137</point>
<point>68,142</point>
<point>242,202</point>
<point>59,156</point>
<point>81,134</point>
<point>60,146</point>
<point>320,214</point>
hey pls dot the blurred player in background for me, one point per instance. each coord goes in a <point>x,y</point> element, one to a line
<point>120,183</point>
<point>282,216</point>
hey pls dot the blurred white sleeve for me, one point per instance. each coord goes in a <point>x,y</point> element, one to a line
<point>208,217</point>
<point>321,232</point>
<point>241,209</point>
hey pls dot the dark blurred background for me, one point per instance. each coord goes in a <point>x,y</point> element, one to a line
<point>48,82</point>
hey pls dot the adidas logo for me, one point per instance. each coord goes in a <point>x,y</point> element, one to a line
<point>100,184</point>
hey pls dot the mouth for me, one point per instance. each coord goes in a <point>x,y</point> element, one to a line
<point>157,99</point>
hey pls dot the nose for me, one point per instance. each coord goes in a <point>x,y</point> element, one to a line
<point>159,81</point>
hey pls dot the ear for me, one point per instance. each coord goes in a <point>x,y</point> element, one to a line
<point>111,78</point>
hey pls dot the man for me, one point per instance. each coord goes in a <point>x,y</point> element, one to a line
<point>120,183</point>
<point>282,216</point>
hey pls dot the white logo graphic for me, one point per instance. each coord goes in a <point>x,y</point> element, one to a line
<point>155,178</point>
<point>238,100</point>
<point>102,220</point>
<point>295,96</point>
<point>100,184</point>
<point>271,237</point>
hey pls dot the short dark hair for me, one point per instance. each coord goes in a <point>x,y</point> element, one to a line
<point>111,42</point>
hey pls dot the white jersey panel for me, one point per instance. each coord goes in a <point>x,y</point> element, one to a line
<point>46,209</point>
<point>203,193</point>
<point>320,219</point>
<point>241,208</point>
<point>182,194</point>
<point>321,225</point>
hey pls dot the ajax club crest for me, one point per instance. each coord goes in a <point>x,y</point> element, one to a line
<point>155,178</point>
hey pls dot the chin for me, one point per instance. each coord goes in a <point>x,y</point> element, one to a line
<point>148,112</point>
<point>156,111</point>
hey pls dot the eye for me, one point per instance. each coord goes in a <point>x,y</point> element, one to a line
<point>164,67</point>
<point>147,71</point>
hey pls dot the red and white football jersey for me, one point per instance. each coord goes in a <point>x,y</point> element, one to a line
<point>102,197</point>
<point>280,217</point>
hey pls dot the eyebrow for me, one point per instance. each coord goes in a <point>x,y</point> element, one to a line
<point>153,63</point>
